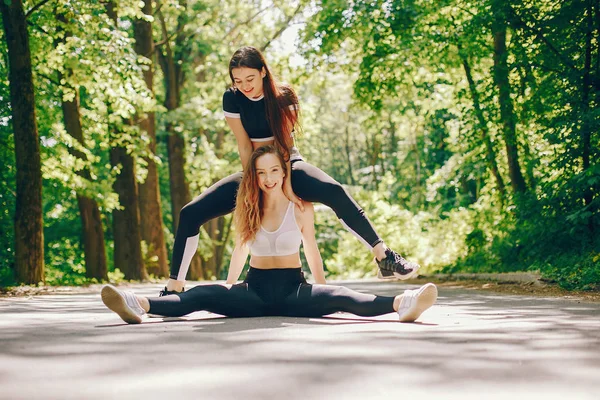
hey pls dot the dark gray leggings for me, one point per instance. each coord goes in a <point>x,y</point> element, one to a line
<point>282,292</point>
<point>308,182</point>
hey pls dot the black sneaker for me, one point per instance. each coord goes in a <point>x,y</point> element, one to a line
<point>166,292</point>
<point>395,266</point>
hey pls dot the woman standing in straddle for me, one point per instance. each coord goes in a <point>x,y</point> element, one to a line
<point>271,228</point>
<point>262,112</point>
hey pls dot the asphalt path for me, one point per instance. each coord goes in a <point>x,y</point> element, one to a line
<point>470,345</point>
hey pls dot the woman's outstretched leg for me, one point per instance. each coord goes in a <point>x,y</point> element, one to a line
<point>217,200</point>
<point>319,300</point>
<point>234,301</point>
<point>312,184</point>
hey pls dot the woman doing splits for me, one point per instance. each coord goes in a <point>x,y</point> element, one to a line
<point>271,228</point>
<point>262,112</point>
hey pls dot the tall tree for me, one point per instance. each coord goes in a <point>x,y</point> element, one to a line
<point>586,97</point>
<point>490,154</point>
<point>126,221</point>
<point>29,238</point>
<point>501,78</point>
<point>91,221</point>
<point>172,55</point>
<point>218,229</point>
<point>151,223</point>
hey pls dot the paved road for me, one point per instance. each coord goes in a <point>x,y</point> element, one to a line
<point>471,345</point>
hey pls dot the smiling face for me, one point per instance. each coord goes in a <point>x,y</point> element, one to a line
<point>249,81</point>
<point>270,173</point>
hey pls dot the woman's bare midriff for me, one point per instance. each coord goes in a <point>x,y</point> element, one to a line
<point>275,262</point>
<point>256,145</point>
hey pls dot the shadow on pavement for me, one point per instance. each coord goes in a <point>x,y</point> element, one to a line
<point>468,341</point>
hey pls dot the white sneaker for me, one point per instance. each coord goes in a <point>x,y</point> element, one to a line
<point>414,302</point>
<point>123,303</point>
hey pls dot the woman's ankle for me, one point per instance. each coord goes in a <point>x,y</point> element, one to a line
<point>144,303</point>
<point>174,285</point>
<point>379,251</point>
<point>397,301</point>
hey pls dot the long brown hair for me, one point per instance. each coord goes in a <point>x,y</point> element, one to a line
<point>249,203</point>
<point>278,98</point>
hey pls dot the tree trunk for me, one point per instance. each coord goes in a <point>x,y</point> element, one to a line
<point>197,268</point>
<point>214,228</point>
<point>416,200</point>
<point>501,79</point>
<point>29,233</point>
<point>347,149</point>
<point>210,266</point>
<point>374,156</point>
<point>585,97</point>
<point>126,221</point>
<point>490,154</point>
<point>93,238</point>
<point>219,151</point>
<point>173,81</point>
<point>91,221</point>
<point>224,225</point>
<point>597,19</point>
<point>180,192</point>
<point>586,129</point>
<point>151,223</point>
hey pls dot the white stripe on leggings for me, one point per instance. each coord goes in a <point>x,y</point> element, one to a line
<point>191,245</point>
<point>360,239</point>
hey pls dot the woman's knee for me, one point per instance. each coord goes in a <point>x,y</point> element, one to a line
<point>335,196</point>
<point>191,216</point>
<point>342,293</point>
<point>328,192</point>
<point>337,190</point>
<point>333,295</point>
<point>209,205</point>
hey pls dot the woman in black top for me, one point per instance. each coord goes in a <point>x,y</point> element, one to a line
<point>262,112</point>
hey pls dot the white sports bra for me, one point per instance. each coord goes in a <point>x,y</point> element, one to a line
<point>284,241</point>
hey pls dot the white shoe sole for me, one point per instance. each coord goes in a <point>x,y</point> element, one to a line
<point>114,301</point>
<point>426,298</point>
<point>396,275</point>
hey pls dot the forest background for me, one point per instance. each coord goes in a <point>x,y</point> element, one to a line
<point>467,130</point>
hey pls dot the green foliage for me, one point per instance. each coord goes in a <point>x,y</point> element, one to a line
<point>64,264</point>
<point>573,272</point>
<point>421,237</point>
<point>405,56</point>
<point>116,276</point>
<point>532,241</point>
<point>387,110</point>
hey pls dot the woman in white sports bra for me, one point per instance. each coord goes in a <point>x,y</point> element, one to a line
<point>271,229</point>
<point>261,111</point>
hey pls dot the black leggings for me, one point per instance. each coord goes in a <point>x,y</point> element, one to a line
<point>281,292</point>
<point>308,182</point>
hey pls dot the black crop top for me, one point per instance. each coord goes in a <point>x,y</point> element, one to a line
<point>252,113</point>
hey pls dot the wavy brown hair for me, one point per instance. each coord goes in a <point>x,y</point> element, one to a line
<point>278,98</point>
<point>249,203</point>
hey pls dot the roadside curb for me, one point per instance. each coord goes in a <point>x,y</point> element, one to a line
<point>531,278</point>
